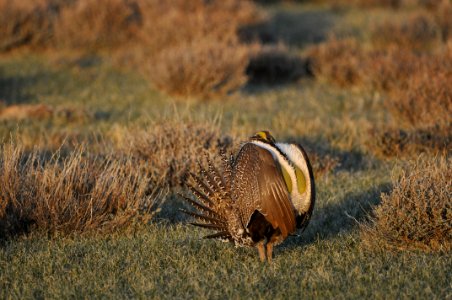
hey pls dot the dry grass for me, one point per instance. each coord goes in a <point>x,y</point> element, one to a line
<point>427,98</point>
<point>417,214</point>
<point>416,87</point>
<point>187,49</point>
<point>418,32</point>
<point>92,25</point>
<point>174,147</point>
<point>169,24</point>
<point>27,22</point>
<point>204,69</point>
<point>192,49</point>
<point>72,193</point>
<point>396,142</point>
<point>26,112</point>
<point>340,61</point>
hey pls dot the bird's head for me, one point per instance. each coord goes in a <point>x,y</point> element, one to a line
<point>263,136</point>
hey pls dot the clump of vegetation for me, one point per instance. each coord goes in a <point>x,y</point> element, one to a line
<point>76,192</point>
<point>92,25</point>
<point>174,148</point>
<point>25,23</point>
<point>192,49</point>
<point>414,78</point>
<point>418,32</point>
<point>186,49</point>
<point>396,142</point>
<point>426,100</point>
<point>206,69</point>
<point>417,213</point>
<point>337,60</point>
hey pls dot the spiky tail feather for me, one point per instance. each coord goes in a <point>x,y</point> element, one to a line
<point>213,201</point>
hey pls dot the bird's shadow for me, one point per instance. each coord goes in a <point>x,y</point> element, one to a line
<point>337,218</point>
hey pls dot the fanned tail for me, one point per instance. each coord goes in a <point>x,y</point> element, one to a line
<point>212,202</point>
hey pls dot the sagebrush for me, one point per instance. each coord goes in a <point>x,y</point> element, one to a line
<point>417,213</point>
<point>58,193</point>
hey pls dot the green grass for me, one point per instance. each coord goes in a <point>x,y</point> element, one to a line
<point>168,259</point>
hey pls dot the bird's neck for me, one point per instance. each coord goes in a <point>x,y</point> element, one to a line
<point>295,175</point>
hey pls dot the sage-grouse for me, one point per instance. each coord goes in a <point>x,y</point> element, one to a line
<point>263,194</point>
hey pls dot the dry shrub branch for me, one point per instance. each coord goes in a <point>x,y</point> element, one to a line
<point>74,193</point>
<point>185,48</point>
<point>174,148</point>
<point>417,214</point>
<point>97,24</point>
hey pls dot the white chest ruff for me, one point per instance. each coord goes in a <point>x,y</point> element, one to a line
<point>295,156</point>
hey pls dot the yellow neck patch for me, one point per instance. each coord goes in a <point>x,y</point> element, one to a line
<point>287,179</point>
<point>301,180</point>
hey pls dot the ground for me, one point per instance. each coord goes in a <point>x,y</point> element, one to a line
<point>168,258</point>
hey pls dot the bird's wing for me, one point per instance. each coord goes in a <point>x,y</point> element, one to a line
<point>259,185</point>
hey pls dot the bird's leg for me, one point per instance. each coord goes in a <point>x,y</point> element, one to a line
<point>269,251</point>
<point>261,249</point>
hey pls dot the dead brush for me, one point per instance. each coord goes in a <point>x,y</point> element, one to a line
<point>166,24</point>
<point>25,23</point>
<point>340,61</point>
<point>418,32</point>
<point>417,213</point>
<point>204,69</point>
<point>93,25</point>
<point>75,193</point>
<point>426,101</point>
<point>173,147</point>
<point>397,142</point>
<point>191,49</point>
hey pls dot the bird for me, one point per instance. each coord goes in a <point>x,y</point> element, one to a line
<point>259,197</point>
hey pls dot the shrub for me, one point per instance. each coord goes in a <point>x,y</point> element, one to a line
<point>173,147</point>
<point>74,193</point>
<point>417,213</point>
<point>418,32</point>
<point>442,15</point>
<point>337,60</point>
<point>94,24</point>
<point>167,24</point>
<point>25,23</point>
<point>191,49</point>
<point>204,69</point>
<point>387,142</point>
<point>426,101</point>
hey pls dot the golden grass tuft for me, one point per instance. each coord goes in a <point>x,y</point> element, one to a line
<point>417,213</point>
<point>174,147</point>
<point>191,49</point>
<point>187,49</point>
<point>337,60</point>
<point>204,69</point>
<point>92,25</point>
<point>76,192</point>
<point>25,23</point>
<point>426,100</point>
<point>169,24</point>
<point>418,32</point>
<point>396,142</point>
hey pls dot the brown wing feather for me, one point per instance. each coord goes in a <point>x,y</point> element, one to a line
<point>261,187</point>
